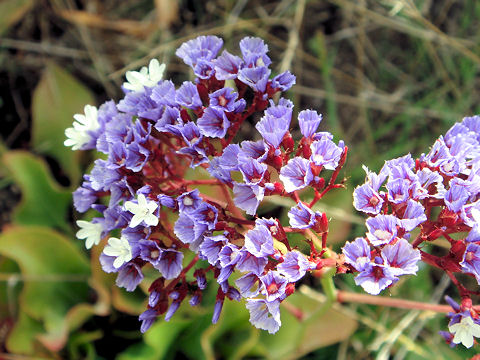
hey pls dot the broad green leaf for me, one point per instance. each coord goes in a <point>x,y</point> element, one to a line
<point>56,99</point>
<point>55,276</point>
<point>157,341</point>
<point>43,201</point>
<point>22,338</point>
<point>12,11</point>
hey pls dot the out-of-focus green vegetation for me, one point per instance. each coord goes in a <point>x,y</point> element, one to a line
<point>389,77</point>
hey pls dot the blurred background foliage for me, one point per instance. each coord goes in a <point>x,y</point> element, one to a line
<point>389,77</point>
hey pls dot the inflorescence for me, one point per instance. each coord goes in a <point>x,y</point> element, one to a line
<point>152,140</point>
<point>164,144</point>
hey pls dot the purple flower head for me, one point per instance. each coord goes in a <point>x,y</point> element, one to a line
<point>254,150</point>
<point>438,154</point>
<point>221,166</point>
<point>189,201</point>
<point>259,241</point>
<point>456,196</point>
<point>170,263</point>
<point>308,120</point>
<point>375,180</point>
<point>187,229</point>
<point>398,190</point>
<point>217,310</point>
<point>129,276</point>
<point>375,278</point>
<point>301,216</point>
<point>141,104</point>
<point>211,246</point>
<point>206,214</point>
<point>84,197</point>
<point>248,197</point>
<point>253,171</point>
<point>381,229</point>
<point>187,95</point>
<point>283,81</point>
<point>401,258</point>
<point>250,263</point>
<point>170,116</point>
<point>296,175</point>
<point>150,251</point>
<point>471,213</point>
<point>431,184</point>
<point>196,154</point>
<point>204,69</point>
<point>403,162</point>
<point>228,258</point>
<point>214,122</point>
<point>295,266</point>
<point>224,98</point>
<point>325,153</point>
<point>274,124</point>
<point>413,216</point>
<point>357,253</point>
<point>248,285</point>
<point>227,66</point>
<point>167,201</point>
<point>202,47</point>
<point>264,314</point>
<point>147,318</point>
<point>273,285</point>
<point>366,199</point>
<point>172,309</point>
<point>164,94</point>
<point>471,260</point>
<point>254,51</point>
<point>474,234</point>
<point>256,77</point>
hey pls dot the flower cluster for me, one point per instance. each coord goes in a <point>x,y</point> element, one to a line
<point>160,134</point>
<point>438,194</point>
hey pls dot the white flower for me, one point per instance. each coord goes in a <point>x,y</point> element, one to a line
<point>464,331</point>
<point>119,248</point>
<point>78,135</point>
<point>91,232</point>
<point>143,211</point>
<point>137,80</point>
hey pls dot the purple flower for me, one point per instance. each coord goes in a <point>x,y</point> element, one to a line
<point>214,122</point>
<point>471,260</point>
<point>84,197</point>
<point>438,154</point>
<point>401,258</point>
<point>456,197</point>
<point>164,93</point>
<point>129,276</point>
<point>273,285</point>
<point>398,190</point>
<point>211,247</point>
<point>248,197</point>
<point>256,77</point>
<point>196,154</point>
<point>264,315</point>
<point>206,214</point>
<point>250,263</point>
<point>308,120</point>
<point>381,229</point>
<point>296,175</point>
<point>274,124</point>
<point>227,66</point>
<point>217,310</point>
<point>254,51</point>
<point>150,251</point>
<point>221,166</point>
<point>189,201</point>
<point>225,98</point>
<point>187,95</point>
<point>283,81</point>
<point>375,278</point>
<point>357,253</point>
<point>202,47</point>
<point>170,263</point>
<point>248,285</point>
<point>325,153</point>
<point>228,257</point>
<point>413,216</point>
<point>253,171</point>
<point>366,199</point>
<point>147,318</point>
<point>187,229</point>
<point>259,241</point>
<point>254,149</point>
<point>295,266</point>
<point>301,216</point>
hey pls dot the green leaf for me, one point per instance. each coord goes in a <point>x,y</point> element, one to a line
<point>22,338</point>
<point>55,275</point>
<point>43,201</point>
<point>12,11</point>
<point>56,99</point>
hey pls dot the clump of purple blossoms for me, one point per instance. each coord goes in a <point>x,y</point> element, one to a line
<point>438,195</point>
<point>160,134</point>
